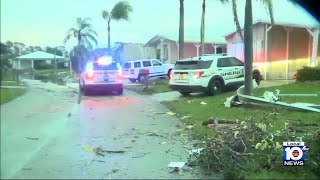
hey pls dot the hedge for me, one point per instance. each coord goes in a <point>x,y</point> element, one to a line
<point>309,74</point>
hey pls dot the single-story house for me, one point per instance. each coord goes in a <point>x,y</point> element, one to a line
<point>132,51</point>
<point>27,61</point>
<point>279,50</point>
<point>166,48</point>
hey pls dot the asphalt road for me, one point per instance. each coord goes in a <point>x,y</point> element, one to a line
<point>47,134</point>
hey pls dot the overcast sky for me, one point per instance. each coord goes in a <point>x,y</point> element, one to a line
<point>45,22</point>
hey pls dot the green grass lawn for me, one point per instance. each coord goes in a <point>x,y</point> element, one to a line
<point>10,94</point>
<point>215,107</point>
<point>156,86</point>
<point>9,83</point>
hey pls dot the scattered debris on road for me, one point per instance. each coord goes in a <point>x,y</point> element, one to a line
<point>30,138</point>
<point>26,169</point>
<point>69,115</point>
<point>139,155</point>
<point>176,167</point>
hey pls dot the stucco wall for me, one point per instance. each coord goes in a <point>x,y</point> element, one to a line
<point>299,53</point>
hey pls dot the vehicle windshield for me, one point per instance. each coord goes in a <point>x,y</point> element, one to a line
<point>127,65</point>
<point>189,65</point>
<point>112,66</point>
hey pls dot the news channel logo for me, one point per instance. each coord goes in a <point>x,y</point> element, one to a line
<point>293,153</point>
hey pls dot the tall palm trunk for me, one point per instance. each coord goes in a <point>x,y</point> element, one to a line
<point>109,35</point>
<point>181,30</point>
<point>202,27</point>
<point>236,19</point>
<point>78,53</point>
<point>248,51</point>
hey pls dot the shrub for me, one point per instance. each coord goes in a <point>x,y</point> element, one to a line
<point>309,74</point>
<point>252,147</point>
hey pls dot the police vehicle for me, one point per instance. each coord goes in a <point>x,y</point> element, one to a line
<point>102,74</point>
<point>209,74</point>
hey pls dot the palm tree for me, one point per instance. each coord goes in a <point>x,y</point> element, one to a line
<point>120,11</point>
<point>84,35</point>
<point>248,37</point>
<point>181,30</point>
<point>202,28</point>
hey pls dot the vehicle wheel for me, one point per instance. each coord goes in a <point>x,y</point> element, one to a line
<point>257,76</point>
<point>215,87</point>
<point>184,93</point>
<point>132,80</point>
<point>139,79</point>
<point>120,91</point>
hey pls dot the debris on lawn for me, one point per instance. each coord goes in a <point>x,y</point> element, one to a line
<point>164,143</point>
<point>190,126</point>
<point>170,113</point>
<point>185,117</point>
<point>176,166</point>
<point>30,138</point>
<point>203,103</point>
<point>270,98</point>
<point>197,151</point>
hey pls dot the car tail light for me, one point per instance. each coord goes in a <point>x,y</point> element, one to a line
<point>197,75</point>
<point>89,74</point>
<point>119,75</point>
<point>132,71</point>
<point>170,75</point>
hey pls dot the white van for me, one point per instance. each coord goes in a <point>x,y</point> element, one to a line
<point>156,68</point>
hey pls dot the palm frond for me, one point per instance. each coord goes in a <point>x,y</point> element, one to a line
<point>91,31</point>
<point>66,39</point>
<point>236,18</point>
<point>86,42</point>
<point>105,15</point>
<point>268,4</point>
<point>224,1</point>
<point>121,11</point>
<point>91,37</point>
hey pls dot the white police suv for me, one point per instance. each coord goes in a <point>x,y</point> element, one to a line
<point>208,74</point>
<point>155,67</point>
<point>103,74</point>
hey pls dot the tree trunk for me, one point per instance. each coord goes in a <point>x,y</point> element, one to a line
<point>248,51</point>
<point>109,35</point>
<point>79,54</point>
<point>236,19</point>
<point>202,27</point>
<point>181,30</point>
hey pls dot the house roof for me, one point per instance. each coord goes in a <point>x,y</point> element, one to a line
<point>39,55</point>
<point>187,39</point>
<point>282,23</point>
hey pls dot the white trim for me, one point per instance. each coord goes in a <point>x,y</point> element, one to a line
<point>197,46</point>
<point>266,51</point>
<point>288,29</point>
